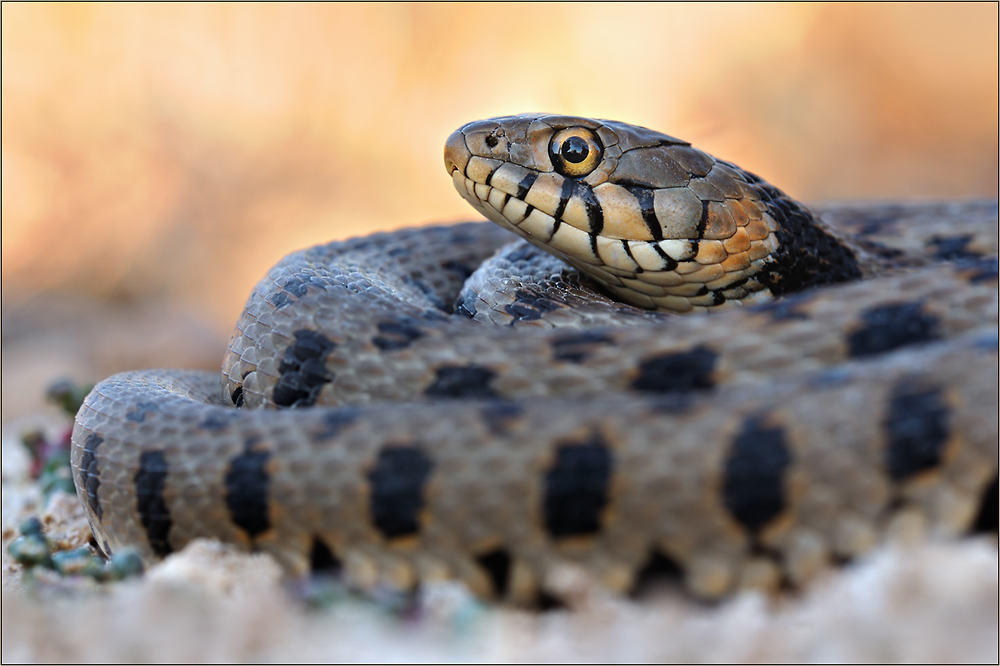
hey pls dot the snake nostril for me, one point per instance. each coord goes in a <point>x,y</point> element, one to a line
<point>492,141</point>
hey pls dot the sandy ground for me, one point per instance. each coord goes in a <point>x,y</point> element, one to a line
<point>916,603</point>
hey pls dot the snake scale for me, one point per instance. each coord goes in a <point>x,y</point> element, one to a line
<point>440,403</point>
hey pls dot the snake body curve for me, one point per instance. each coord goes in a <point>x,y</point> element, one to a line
<point>391,410</point>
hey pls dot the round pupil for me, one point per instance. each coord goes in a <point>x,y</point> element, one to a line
<point>575,149</point>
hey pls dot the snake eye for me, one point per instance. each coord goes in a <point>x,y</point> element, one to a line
<point>575,151</point>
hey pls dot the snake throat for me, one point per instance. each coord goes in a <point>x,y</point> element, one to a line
<point>658,223</point>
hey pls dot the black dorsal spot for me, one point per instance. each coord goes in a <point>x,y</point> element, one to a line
<point>916,425</point>
<point>150,482</point>
<point>659,568</point>
<point>89,474</point>
<point>247,484</point>
<point>576,488</point>
<point>497,566</point>
<point>677,371</point>
<point>986,518</point>
<point>397,490</point>
<point>469,381</point>
<point>397,334</point>
<point>754,481</point>
<point>322,559</point>
<point>890,327</point>
<point>302,371</point>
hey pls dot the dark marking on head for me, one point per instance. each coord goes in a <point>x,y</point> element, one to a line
<point>500,415</point>
<point>302,372</point>
<point>807,255</point>
<point>987,518</point>
<point>529,306</point>
<point>321,558</point>
<point>397,334</point>
<point>150,482</point>
<point>676,372</point>
<point>575,346</point>
<point>89,474</point>
<point>576,487</point>
<point>669,263</point>
<point>702,221</point>
<point>237,396</point>
<point>247,482</point>
<point>595,214</point>
<point>644,196</point>
<point>397,490</point>
<point>496,563</point>
<point>336,421</point>
<point>890,327</point>
<point>917,429</point>
<point>469,381</point>
<point>525,185</point>
<point>754,480</point>
<point>950,248</point>
<point>565,193</point>
<point>139,412</point>
<point>659,568</point>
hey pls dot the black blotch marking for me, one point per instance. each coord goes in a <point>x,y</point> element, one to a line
<point>525,185</point>
<point>718,298</point>
<point>889,327</point>
<point>336,421</point>
<point>916,424</point>
<point>659,568</point>
<point>986,518</point>
<point>984,270</point>
<point>90,475</point>
<point>469,381</point>
<point>497,566</point>
<point>322,560</point>
<point>595,214</point>
<point>500,415</point>
<point>397,490</point>
<point>302,372</point>
<point>139,412</point>
<point>753,487</point>
<point>247,484</point>
<point>529,306</point>
<point>677,372</point>
<point>952,247</point>
<point>217,420</point>
<point>574,347</point>
<point>153,512</point>
<point>295,288</point>
<point>576,487</point>
<point>237,396</point>
<point>397,334</point>
<point>645,198</point>
<point>807,255</point>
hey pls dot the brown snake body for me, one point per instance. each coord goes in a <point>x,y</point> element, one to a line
<point>384,430</point>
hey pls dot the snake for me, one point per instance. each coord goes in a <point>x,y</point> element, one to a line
<point>670,368</point>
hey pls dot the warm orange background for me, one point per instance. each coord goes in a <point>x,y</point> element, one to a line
<point>175,152</point>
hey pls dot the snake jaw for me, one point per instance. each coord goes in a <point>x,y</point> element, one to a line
<point>659,223</point>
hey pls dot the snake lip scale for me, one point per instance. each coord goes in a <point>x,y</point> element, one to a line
<point>453,403</point>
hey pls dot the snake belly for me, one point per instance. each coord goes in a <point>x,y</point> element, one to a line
<point>435,403</point>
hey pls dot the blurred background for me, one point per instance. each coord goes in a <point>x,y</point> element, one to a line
<point>158,159</point>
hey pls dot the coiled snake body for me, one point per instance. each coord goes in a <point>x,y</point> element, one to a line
<point>389,409</point>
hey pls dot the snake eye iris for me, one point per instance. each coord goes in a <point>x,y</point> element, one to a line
<point>575,151</point>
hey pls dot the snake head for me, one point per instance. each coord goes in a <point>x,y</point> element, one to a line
<point>659,223</point>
